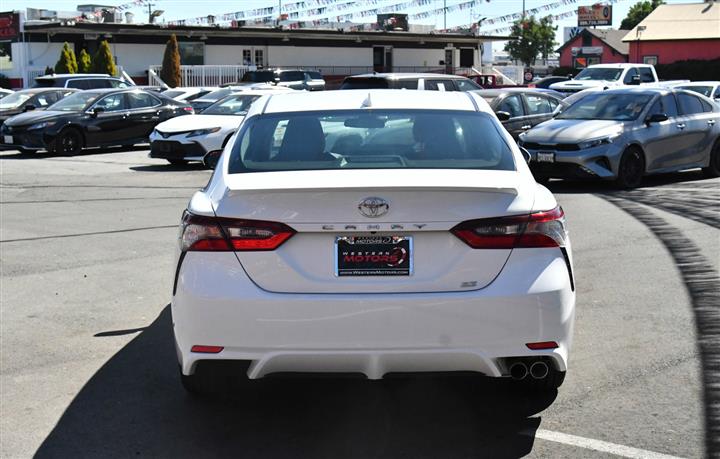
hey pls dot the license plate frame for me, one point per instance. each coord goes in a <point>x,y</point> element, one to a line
<point>545,156</point>
<point>8,139</point>
<point>378,255</point>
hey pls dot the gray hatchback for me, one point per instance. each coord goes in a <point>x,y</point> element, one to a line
<point>625,134</point>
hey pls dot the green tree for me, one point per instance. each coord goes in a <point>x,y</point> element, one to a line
<point>49,70</point>
<point>85,63</point>
<point>67,62</point>
<point>170,72</point>
<point>638,12</point>
<point>102,61</point>
<point>533,38</point>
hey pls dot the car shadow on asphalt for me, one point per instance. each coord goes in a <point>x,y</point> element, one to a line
<point>602,186</point>
<point>135,406</point>
<point>170,167</point>
<point>4,155</point>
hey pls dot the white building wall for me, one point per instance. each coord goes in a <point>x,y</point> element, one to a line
<point>307,56</point>
<point>136,58</point>
<point>408,57</point>
<point>38,55</point>
<point>226,54</point>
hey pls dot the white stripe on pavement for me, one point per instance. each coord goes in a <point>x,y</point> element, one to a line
<point>601,446</point>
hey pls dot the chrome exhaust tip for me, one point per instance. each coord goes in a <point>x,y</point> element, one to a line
<point>518,371</point>
<point>539,370</point>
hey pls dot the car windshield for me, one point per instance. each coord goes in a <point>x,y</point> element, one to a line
<point>75,102</point>
<point>292,76</point>
<point>233,105</point>
<point>604,106</point>
<point>14,100</point>
<point>354,139</point>
<point>173,93</point>
<point>216,95</point>
<point>599,74</point>
<point>704,90</point>
<point>259,77</point>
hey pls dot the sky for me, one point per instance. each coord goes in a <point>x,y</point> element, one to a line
<point>183,9</point>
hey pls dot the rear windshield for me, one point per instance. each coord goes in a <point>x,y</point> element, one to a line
<point>365,83</point>
<point>704,90</point>
<point>173,93</point>
<point>45,83</point>
<point>259,77</point>
<point>381,139</point>
<point>292,76</point>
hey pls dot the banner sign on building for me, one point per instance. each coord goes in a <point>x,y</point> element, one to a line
<point>9,26</point>
<point>393,22</point>
<point>595,15</point>
<point>571,32</point>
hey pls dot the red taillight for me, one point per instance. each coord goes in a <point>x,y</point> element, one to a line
<point>542,345</point>
<point>189,110</point>
<point>201,233</point>
<point>540,229</point>
<point>206,349</point>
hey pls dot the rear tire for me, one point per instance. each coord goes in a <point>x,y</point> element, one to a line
<point>713,169</point>
<point>178,162</point>
<point>631,169</point>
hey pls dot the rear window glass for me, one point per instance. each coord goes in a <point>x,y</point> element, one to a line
<point>292,76</point>
<point>259,77</point>
<point>173,94</point>
<point>315,75</point>
<point>366,83</point>
<point>382,139</point>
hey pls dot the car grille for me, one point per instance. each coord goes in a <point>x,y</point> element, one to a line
<point>548,146</point>
<point>172,149</point>
<point>561,170</point>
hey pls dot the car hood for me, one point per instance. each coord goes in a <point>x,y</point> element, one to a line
<point>572,131</point>
<point>37,116</point>
<point>578,85</point>
<point>192,122</point>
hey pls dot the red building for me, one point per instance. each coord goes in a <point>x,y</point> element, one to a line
<point>677,32</point>
<point>594,46</point>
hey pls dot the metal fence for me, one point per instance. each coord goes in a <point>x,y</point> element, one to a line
<point>202,75</point>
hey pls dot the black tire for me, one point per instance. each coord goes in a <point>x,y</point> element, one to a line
<point>27,151</point>
<point>178,162</point>
<point>713,169</point>
<point>68,142</point>
<point>631,169</point>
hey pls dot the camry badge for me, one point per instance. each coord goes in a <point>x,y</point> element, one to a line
<point>373,207</point>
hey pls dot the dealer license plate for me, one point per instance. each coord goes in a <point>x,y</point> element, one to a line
<point>373,256</point>
<point>7,139</point>
<point>545,157</point>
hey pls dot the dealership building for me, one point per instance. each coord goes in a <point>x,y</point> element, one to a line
<point>594,46</point>
<point>34,44</point>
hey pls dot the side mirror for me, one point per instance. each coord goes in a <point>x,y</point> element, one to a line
<point>526,155</point>
<point>28,108</point>
<point>96,111</point>
<point>212,158</point>
<point>635,80</point>
<point>656,118</point>
<point>503,116</point>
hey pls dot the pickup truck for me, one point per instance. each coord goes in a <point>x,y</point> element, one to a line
<point>605,76</point>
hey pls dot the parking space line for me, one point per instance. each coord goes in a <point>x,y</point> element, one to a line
<point>600,446</point>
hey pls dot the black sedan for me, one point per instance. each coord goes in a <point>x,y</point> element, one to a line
<point>94,118</point>
<point>519,109</point>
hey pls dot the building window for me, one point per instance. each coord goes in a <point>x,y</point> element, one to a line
<point>467,57</point>
<point>192,53</point>
<point>652,60</point>
<point>6,62</point>
<point>587,39</point>
<point>259,58</point>
<point>247,57</point>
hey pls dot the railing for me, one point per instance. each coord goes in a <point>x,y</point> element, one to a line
<point>202,75</point>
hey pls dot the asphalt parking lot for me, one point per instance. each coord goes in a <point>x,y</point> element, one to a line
<point>88,366</point>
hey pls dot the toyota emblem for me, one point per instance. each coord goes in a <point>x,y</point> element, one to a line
<point>373,207</point>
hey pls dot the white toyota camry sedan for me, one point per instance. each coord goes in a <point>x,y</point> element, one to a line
<point>373,232</point>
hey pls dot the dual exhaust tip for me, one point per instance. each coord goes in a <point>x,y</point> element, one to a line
<point>537,370</point>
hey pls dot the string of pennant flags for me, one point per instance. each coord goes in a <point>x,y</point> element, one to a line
<point>314,13</point>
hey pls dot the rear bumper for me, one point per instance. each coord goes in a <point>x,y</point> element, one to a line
<point>215,303</point>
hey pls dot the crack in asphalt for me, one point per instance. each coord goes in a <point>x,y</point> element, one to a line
<point>701,281</point>
<point>60,236</point>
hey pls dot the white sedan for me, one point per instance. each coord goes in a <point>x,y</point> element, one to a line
<point>373,232</point>
<point>179,141</point>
